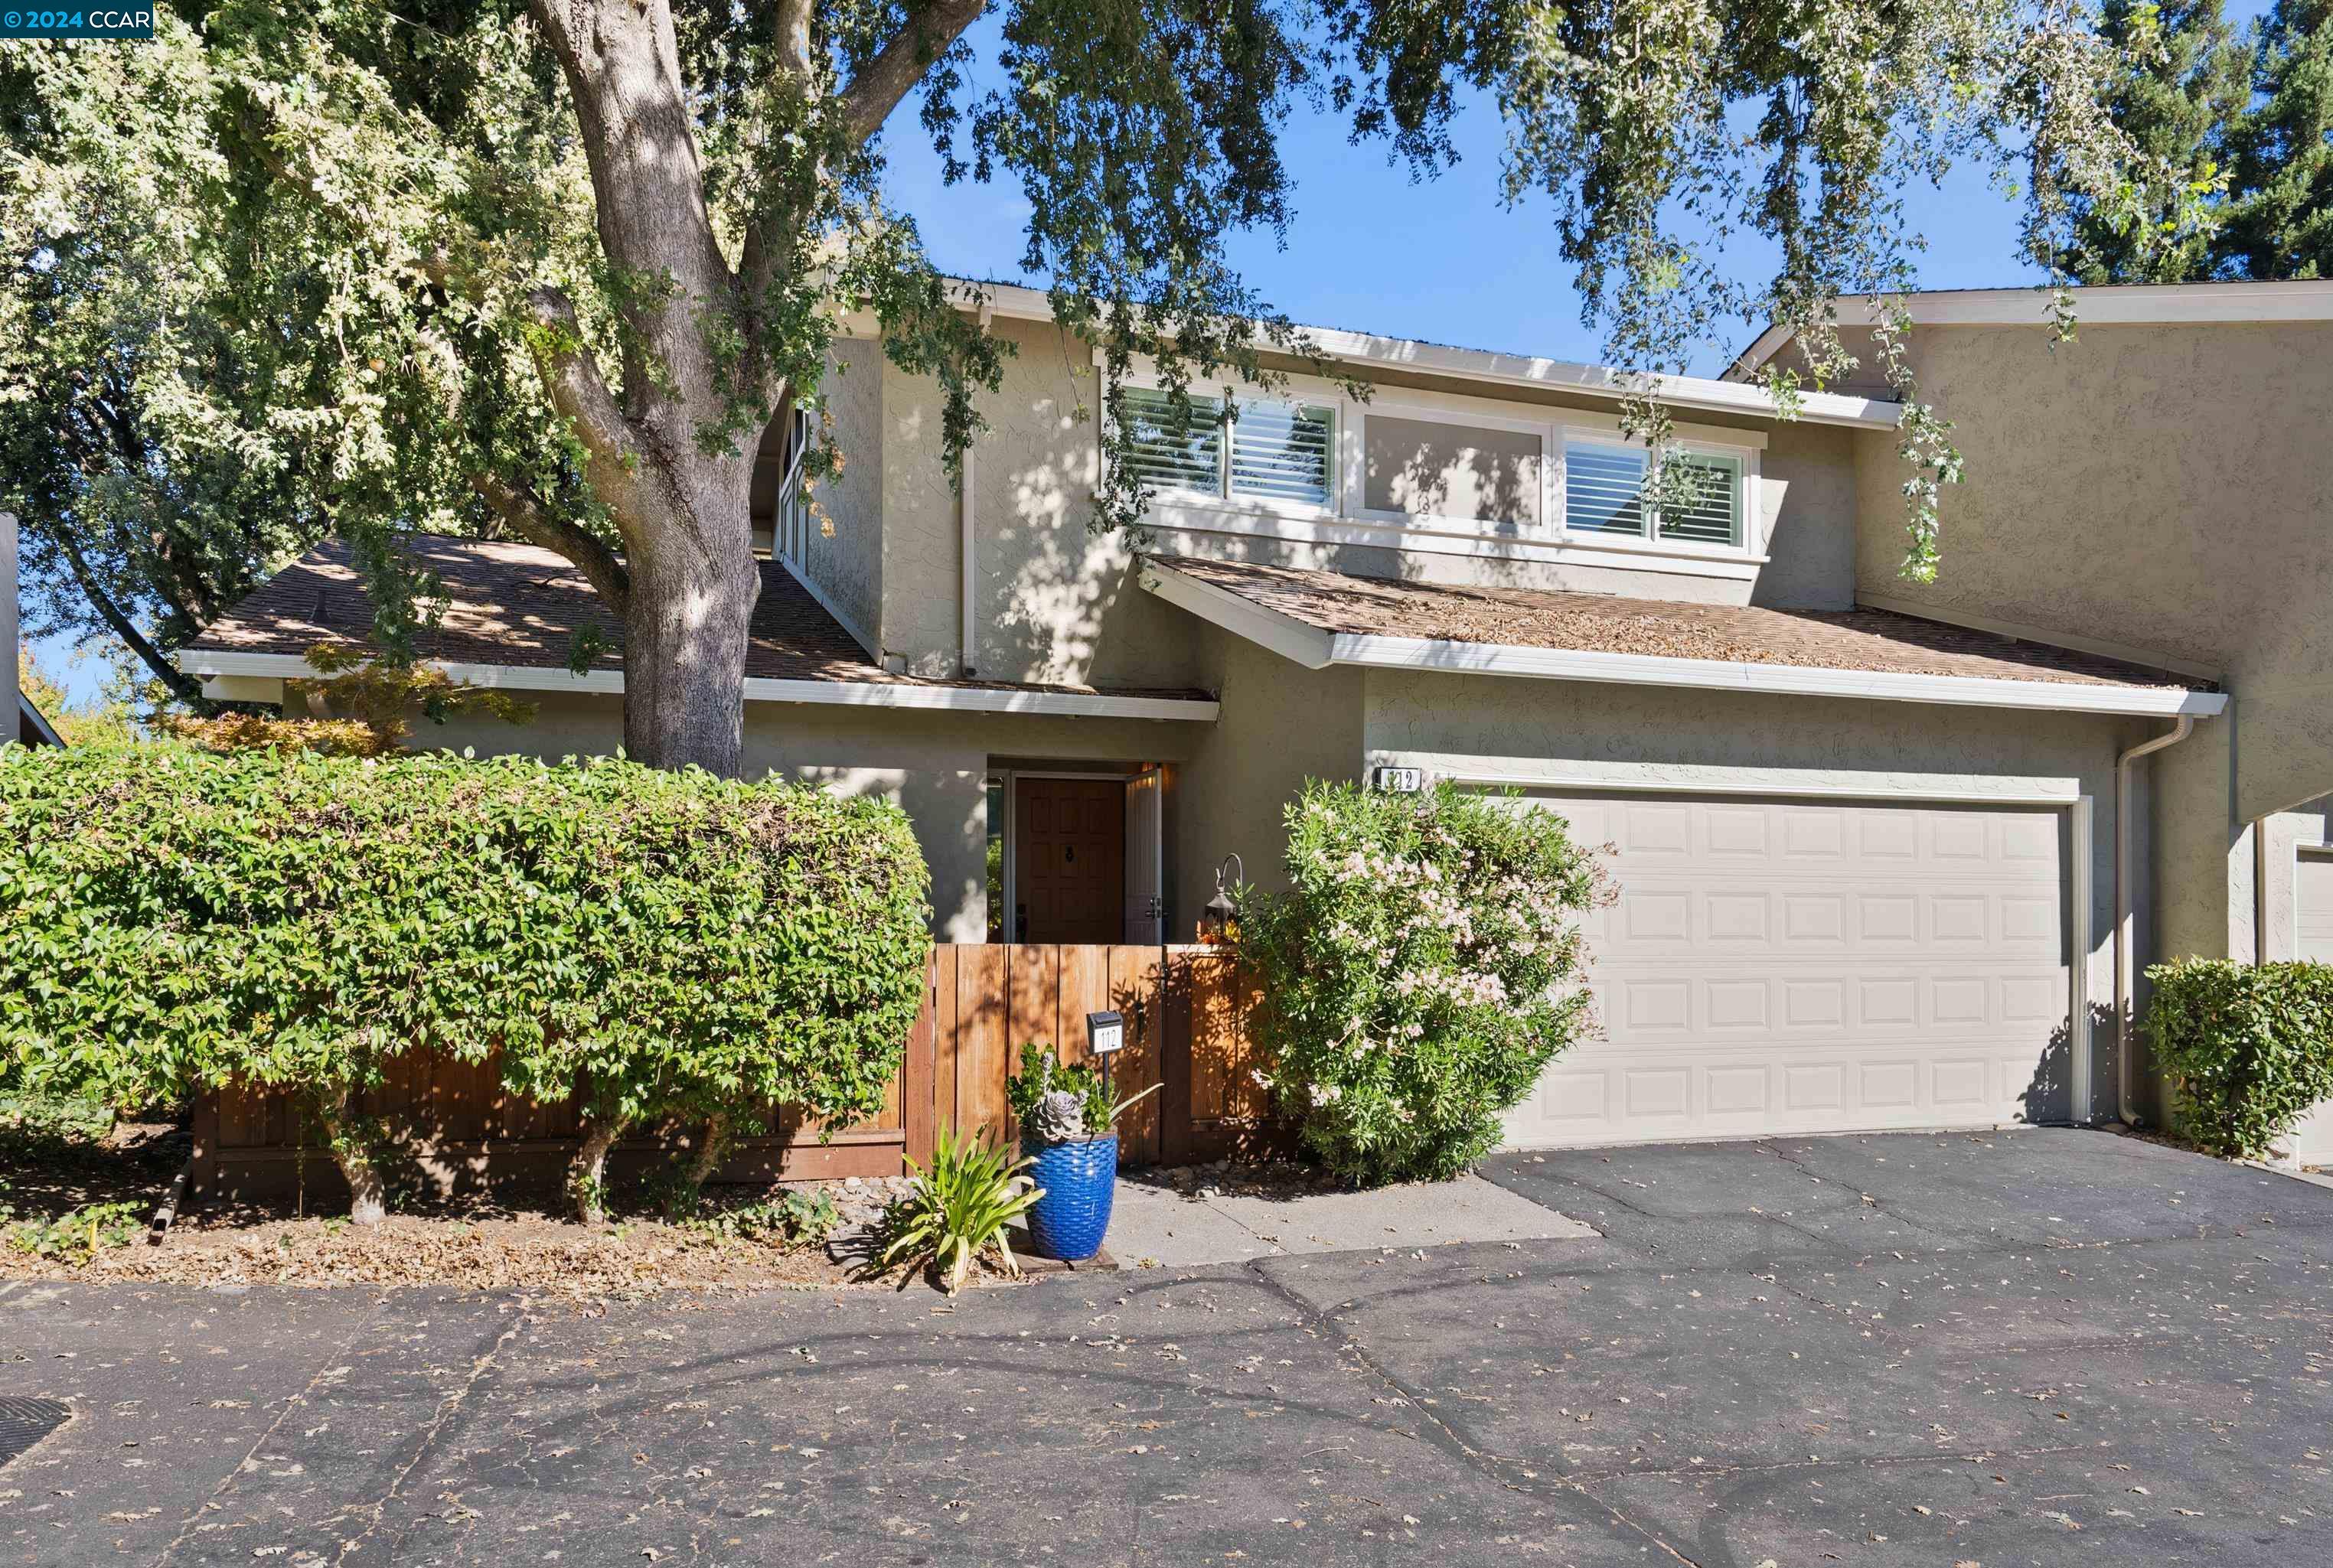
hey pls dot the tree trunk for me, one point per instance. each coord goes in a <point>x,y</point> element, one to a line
<point>350,1140</point>
<point>711,1150</point>
<point>694,584</point>
<point>586,1174</point>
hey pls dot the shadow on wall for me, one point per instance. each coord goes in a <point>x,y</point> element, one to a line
<point>2049,1097</point>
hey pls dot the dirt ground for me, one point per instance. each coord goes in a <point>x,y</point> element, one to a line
<point>111,1181</point>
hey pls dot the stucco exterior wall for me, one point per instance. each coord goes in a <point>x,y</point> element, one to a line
<point>1808,493</point>
<point>2161,489</point>
<point>1580,735</point>
<point>847,565</point>
<point>932,764</point>
<point>921,541</point>
<point>1281,724</point>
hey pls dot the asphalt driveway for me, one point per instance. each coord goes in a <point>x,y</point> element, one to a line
<point>2037,1347</point>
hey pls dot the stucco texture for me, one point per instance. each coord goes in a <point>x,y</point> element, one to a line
<point>847,565</point>
<point>2160,488</point>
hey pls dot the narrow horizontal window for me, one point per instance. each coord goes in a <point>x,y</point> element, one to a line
<point>1714,514</point>
<point>1166,458</point>
<point>1603,489</point>
<point>1283,452</point>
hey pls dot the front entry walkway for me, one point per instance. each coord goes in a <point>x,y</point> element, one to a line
<point>2029,1347</point>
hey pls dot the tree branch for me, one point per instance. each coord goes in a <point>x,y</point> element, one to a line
<point>613,455</point>
<point>900,64</point>
<point>182,686</point>
<point>523,511</point>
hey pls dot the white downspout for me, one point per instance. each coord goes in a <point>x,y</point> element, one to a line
<point>2125,940</point>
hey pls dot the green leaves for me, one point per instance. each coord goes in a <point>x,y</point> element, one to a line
<point>959,1208</point>
<point>2247,1048</point>
<point>1417,975</point>
<point>654,943</point>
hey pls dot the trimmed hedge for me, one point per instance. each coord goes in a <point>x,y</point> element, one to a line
<point>653,943</point>
<point>2248,1049</point>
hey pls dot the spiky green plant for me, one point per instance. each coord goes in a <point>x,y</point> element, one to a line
<point>959,1208</point>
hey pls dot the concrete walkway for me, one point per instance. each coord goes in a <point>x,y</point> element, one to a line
<point>1155,1224</point>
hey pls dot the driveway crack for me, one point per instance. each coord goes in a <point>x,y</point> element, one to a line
<point>1507,1473</point>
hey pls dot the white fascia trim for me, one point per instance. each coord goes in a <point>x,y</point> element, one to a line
<point>2119,305</point>
<point>1367,349</point>
<point>758,689</point>
<point>1176,514</point>
<point>1656,670</point>
<point>1291,638</point>
<point>1719,778</point>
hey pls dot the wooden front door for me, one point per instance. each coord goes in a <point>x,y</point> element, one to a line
<point>1068,865</point>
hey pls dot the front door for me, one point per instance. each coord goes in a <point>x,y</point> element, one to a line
<point>1069,862</point>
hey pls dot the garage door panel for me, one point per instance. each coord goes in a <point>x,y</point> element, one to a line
<point>1800,967</point>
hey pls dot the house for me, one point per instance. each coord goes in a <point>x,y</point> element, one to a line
<point>1870,838</point>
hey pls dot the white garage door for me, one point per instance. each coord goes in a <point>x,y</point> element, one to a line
<point>2313,926</point>
<point>1782,966</point>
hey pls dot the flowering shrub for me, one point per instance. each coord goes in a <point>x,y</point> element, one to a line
<point>1414,974</point>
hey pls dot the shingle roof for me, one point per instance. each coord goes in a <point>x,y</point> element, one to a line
<point>517,605</point>
<point>1857,639</point>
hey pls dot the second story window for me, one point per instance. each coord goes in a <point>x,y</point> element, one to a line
<point>1605,492</point>
<point>1256,450</point>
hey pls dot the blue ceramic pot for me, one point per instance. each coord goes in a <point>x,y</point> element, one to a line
<point>1079,1179</point>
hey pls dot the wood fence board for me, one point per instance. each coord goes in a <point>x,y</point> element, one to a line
<point>1032,1000</point>
<point>983,1028</point>
<point>919,1077</point>
<point>1084,989</point>
<point>1217,1048</point>
<point>1174,1099</point>
<point>1134,990</point>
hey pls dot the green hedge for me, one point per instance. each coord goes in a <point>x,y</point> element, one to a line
<point>2248,1049</point>
<point>657,944</point>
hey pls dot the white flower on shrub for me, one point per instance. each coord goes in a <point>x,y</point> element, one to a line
<point>1417,973</point>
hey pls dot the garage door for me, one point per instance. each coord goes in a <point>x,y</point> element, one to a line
<point>2313,927</point>
<point>1779,965</point>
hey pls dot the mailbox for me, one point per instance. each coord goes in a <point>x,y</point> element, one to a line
<point>1105,1033</point>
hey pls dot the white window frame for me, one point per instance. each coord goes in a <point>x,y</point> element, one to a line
<point>1348,522</point>
<point>1743,446</point>
<point>1220,498</point>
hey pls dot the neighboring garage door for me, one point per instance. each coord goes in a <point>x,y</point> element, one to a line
<point>1788,966</point>
<point>2312,887</point>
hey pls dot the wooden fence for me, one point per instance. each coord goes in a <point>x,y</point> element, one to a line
<point>1185,1009</point>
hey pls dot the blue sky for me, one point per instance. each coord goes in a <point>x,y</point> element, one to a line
<point>1373,249</point>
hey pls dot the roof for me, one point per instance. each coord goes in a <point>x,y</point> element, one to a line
<point>32,728</point>
<point>1321,617</point>
<point>1363,351</point>
<point>2108,305</point>
<point>515,608</point>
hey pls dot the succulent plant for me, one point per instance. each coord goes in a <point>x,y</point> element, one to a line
<point>1060,1118</point>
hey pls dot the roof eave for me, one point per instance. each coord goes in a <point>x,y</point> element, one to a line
<point>1372,351</point>
<point>1315,648</point>
<point>209,663</point>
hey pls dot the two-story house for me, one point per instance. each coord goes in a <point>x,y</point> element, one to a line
<point>1865,836</point>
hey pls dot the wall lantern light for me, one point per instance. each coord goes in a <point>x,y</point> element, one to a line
<point>1219,921</point>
